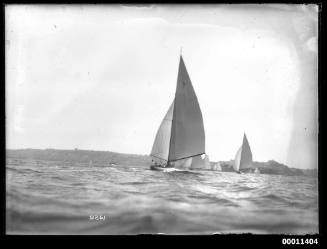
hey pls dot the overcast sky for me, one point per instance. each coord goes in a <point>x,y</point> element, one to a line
<point>102,77</point>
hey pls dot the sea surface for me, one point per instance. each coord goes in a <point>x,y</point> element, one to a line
<point>48,197</point>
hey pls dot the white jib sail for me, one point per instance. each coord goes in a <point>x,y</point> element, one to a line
<point>237,160</point>
<point>160,148</point>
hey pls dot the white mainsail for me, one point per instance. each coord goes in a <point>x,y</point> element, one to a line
<point>243,158</point>
<point>187,131</point>
<point>181,133</point>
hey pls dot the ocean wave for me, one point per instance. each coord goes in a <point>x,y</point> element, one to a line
<point>58,198</point>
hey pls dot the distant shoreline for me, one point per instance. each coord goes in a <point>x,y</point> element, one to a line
<point>115,158</point>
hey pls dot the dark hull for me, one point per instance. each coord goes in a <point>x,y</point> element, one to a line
<point>156,167</point>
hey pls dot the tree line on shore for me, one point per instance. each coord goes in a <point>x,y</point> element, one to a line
<point>113,158</point>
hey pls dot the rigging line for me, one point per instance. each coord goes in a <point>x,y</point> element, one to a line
<point>186,157</point>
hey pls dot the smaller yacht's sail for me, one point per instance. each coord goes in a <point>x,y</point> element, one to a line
<point>183,164</point>
<point>243,158</point>
<point>197,163</point>
<point>200,163</point>
<point>216,167</point>
<point>207,162</point>
<point>160,148</point>
<point>188,163</point>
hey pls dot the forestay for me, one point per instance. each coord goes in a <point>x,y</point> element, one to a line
<point>160,148</point>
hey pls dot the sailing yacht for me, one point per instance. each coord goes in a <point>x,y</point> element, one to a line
<point>216,167</point>
<point>243,158</point>
<point>180,136</point>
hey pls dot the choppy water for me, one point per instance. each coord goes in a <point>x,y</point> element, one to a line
<point>46,197</point>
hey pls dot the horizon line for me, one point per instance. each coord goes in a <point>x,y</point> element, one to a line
<point>75,149</point>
